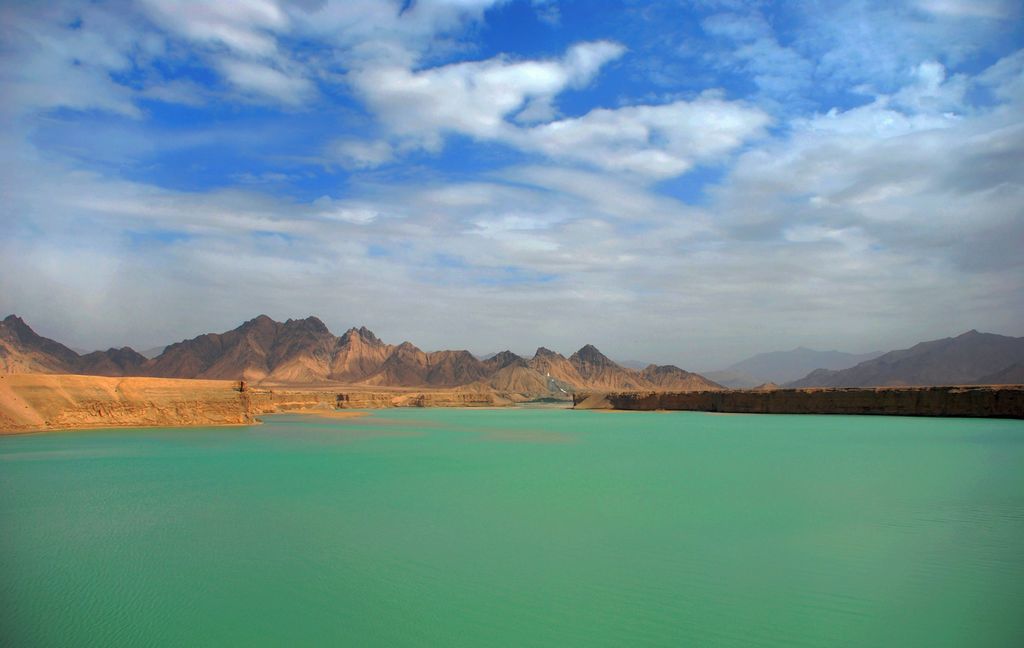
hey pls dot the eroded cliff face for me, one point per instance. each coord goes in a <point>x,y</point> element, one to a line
<point>966,401</point>
<point>375,400</point>
<point>40,402</point>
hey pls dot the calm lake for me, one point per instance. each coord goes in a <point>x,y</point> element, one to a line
<point>518,527</point>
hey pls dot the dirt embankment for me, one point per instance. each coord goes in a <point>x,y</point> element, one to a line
<point>1002,401</point>
<point>32,402</point>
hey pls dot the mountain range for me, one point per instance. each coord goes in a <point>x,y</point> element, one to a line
<point>304,351</point>
<point>970,358</point>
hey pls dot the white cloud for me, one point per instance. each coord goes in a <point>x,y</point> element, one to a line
<point>932,91</point>
<point>653,141</point>
<point>477,99</point>
<point>44,64</point>
<point>473,98</point>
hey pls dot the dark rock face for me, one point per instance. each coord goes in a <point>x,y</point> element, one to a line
<point>988,402</point>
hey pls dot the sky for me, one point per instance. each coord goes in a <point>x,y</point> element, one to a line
<point>684,182</point>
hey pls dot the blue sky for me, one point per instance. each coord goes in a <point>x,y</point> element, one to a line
<point>684,182</point>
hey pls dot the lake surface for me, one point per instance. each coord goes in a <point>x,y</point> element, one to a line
<point>518,527</point>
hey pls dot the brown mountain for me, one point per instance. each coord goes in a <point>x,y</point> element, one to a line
<point>672,378</point>
<point>293,351</point>
<point>964,359</point>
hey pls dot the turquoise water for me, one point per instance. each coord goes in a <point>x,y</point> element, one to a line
<point>518,528</point>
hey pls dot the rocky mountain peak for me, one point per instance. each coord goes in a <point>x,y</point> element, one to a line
<point>260,323</point>
<point>17,326</point>
<point>544,352</point>
<point>368,335</point>
<point>591,355</point>
<point>310,324</point>
<point>363,333</point>
<point>505,359</point>
<point>20,335</point>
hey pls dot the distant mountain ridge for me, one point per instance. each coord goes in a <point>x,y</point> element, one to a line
<point>785,366</point>
<point>970,358</point>
<point>304,351</point>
